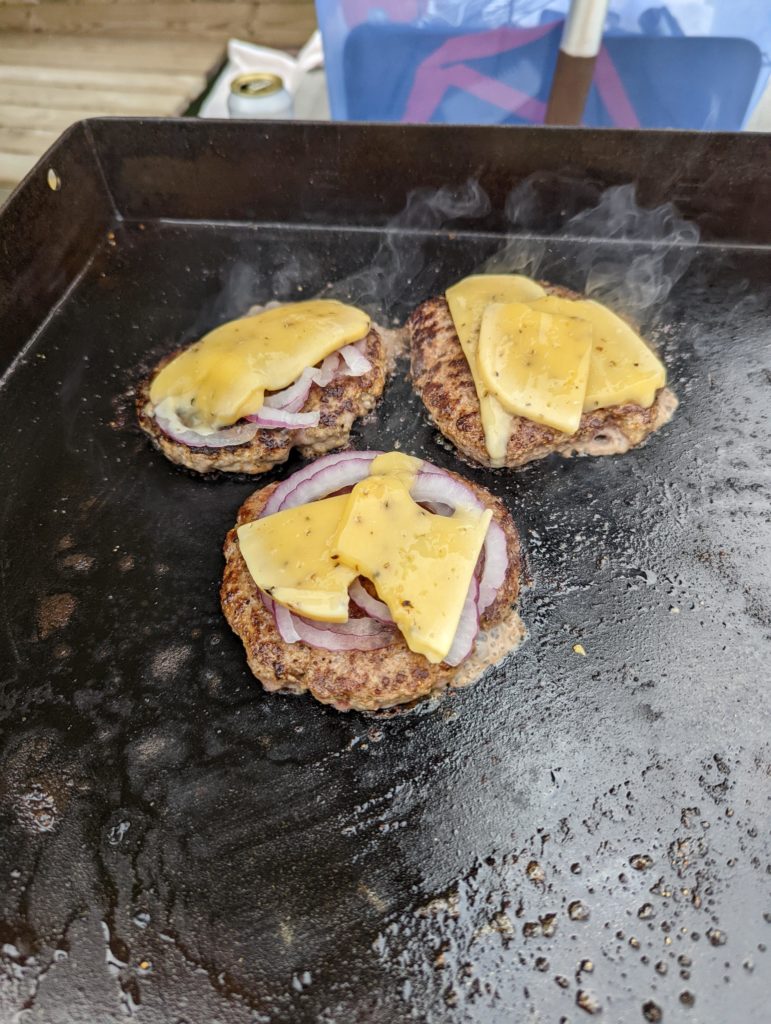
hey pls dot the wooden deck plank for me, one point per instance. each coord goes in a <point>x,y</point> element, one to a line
<point>26,140</point>
<point>43,119</point>
<point>165,55</point>
<point>148,81</point>
<point>282,23</point>
<point>208,19</point>
<point>114,101</point>
<point>13,167</point>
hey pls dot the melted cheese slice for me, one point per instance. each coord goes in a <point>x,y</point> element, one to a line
<point>405,467</point>
<point>421,564</point>
<point>622,368</point>
<point>467,301</point>
<point>224,376</point>
<point>536,364</point>
<point>289,556</point>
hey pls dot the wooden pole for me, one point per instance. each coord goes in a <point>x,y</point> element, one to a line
<point>581,41</point>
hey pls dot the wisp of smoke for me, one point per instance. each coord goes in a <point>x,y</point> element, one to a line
<point>647,278</point>
<point>400,254</point>
<point>521,254</point>
<point>622,254</point>
<point>399,257</point>
<point>240,290</point>
<point>633,256</point>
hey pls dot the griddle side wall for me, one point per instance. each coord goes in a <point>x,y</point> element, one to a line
<point>360,174</point>
<point>48,235</point>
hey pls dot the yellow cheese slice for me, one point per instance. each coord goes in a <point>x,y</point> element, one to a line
<point>289,556</point>
<point>405,467</point>
<point>536,364</point>
<point>421,564</point>
<point>622,369</point>
<point>467,301</point>
<point>224,376</point>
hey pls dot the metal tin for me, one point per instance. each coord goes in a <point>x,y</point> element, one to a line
<point>259,94</point>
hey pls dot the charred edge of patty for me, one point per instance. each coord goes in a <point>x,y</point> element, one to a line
<point>360,680</point>
<point>340,404</point>
<point>443,380</point>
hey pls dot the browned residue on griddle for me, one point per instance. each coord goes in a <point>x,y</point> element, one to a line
<point>78,562</point>
<point>54,611</point>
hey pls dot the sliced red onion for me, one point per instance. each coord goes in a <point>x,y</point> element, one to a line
<point>438,508</point>
<point>353,635</point>
<point>296,405</point>
<point>285,623</point>
<point>282,409</point>
<point>328,369</point>
<point>329,480</point>
<point>468,627</point>
<point>282,418</point>
<point>495,567</point>
<point>276,499</point>
<point>434,486</point>
<point>369,604</point>
<point>336,640</point>
<point>170,423</point>
<point>351,627</point>
<point>343,469</point>
<point>293,398</point>
<point>355,360</point>
<point>295,393</point>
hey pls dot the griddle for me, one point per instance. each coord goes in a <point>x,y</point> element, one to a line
<point>574,835</point>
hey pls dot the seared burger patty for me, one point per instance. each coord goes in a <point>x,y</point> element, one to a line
<point>340,403</point>
<point>443,380</point>
<point>359,680</point>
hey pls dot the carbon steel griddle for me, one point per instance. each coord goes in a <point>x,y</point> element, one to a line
<point>573,835</point>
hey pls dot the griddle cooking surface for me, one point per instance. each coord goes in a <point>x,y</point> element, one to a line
<point>176,843</point>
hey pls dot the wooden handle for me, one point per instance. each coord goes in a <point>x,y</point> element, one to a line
<point>569,89</point>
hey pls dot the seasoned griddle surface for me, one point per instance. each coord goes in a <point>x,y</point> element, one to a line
<point>571,833</point>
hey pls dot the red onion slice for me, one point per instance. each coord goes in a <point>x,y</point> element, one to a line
<point>298,489</point>
<point>495,567</point>
<point>355,360</point>
<point>282,418</point>
<point>329,481</point>
<point>432,486</point>
<point>332,640</point>
<point>276,499</point>
<point>293,398</point>
<point>353,635</point>
<point>297,392</point>
<point>438,508</point>
<point>285,623</point>
<point>283,408</point>
<point>328,369</point>
<point>371,605</point>
<point>365,627</point>
<point>173,427</point>
<point>468,628</point>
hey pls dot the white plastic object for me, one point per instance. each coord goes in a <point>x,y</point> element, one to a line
<point>244,57</point>
<point>582,34</point>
